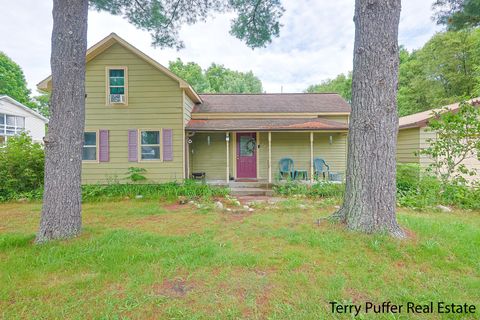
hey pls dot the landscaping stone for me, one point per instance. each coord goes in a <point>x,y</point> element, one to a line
<point>219,205</point>
<point>246,207</point>
<point>251,209</point>
<point>302,206</point>
<point>236,203</point>
<point>138,196</point>
<point>337,207</point>
<point>443,208</point>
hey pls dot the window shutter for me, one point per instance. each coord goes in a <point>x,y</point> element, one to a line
<point>167,144</point>
<point>104,148</point>
<point>133,145</point>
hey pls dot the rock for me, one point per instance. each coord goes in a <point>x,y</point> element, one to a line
<point>302,206</point>
<point>236,203</point>
<point>228,210</point>
<point>251,209</point>
<point>219,205</point>
<point>191,202</point>
<point>22,200</point>
<point>246,207</point>
<point>337,207</point>
<point>443,208</point>
<point>138,196</point>
<point>182,200</point>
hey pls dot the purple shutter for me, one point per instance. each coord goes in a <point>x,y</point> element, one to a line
<point>167,145</point>
<point>133,145</point>
<point>104,152</point>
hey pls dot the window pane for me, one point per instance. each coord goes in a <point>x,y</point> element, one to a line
<point>150,153</point>
<point>90,138</point>
<point>150,137</point>
<point>247,146</point>
<point>10,132</point>
<point>21,122</point>
<point>89,153</point>
<point>117,73</point>
<point>117,90</point>
<point>11,120</point>
<point>117,81</point>
<point>2,118</point>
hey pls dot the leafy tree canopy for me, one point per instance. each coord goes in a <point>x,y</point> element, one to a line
<point>12,80</point>
<point>342,85</point>
<point>457,14</point>
<point>256,23</point>
<point>444,70</point>
<point>216,79</point>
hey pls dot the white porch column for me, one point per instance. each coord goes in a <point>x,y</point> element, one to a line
<point>311,157</point>
<point>227,139</point>
<point>269,157</point>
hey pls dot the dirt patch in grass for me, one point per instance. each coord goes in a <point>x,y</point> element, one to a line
<point>355,295</point>
<point>176,288</point>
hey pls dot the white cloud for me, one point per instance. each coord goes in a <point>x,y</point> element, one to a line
<point>316,41</point>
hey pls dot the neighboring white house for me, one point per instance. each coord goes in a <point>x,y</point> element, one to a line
<point>15,118</point>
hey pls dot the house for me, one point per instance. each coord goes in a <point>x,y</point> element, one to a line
<point>413,136</point>
<point>140,114</point>
<point>16,118</point>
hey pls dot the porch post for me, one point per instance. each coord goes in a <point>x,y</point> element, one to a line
<point>311,156</point>
<point>227,139</point>
<point>269,157</point>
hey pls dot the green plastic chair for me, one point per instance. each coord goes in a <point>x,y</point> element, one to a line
<point>286,167</point>
<point>319,166</point>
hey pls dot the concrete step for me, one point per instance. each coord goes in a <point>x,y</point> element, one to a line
<point>249,184</point>
<point>250,191</point>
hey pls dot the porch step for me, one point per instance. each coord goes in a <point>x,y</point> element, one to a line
<point>249,184</point>
<point>250,191</point>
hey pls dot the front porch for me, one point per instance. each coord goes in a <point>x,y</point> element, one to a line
<point>232,157</point>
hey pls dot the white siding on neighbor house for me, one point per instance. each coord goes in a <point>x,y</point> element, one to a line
<point>33,125</point>
<point>408,142</point>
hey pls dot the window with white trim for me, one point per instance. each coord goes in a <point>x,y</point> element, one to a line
<point>150,145</point>
<point>89,146</point>
<point>117,89</point>
<point>11,125</point>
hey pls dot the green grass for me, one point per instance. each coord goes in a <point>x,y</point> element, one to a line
<point>141,259</point>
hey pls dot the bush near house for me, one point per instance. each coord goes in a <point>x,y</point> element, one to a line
<point>21,168</point>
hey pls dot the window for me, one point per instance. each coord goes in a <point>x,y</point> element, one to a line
<point>89,146</point>
<point>11,125</point>
<point>117,86</point>
<point>150,145</point>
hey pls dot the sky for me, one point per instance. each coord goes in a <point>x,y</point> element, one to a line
<point>315,43</point>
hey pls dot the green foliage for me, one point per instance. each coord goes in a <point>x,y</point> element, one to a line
<point>21,168</point>
<point>457,139</point>
<point>457,14</point>
<point>12,80</point>
<point>135,174</point>
<point>216,79</point>
<point>318,190</point>
<point>169,191</point>
<point>416,189</point>
<point>342,85</point>
<point>443,71</point>
<point>42,103</point>
<point>256,22</point>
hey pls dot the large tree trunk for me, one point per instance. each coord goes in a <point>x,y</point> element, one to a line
<point>370,196</point>
<point>62,199</point>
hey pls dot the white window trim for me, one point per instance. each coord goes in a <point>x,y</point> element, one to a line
<point>107,86</point>
<point>15,128</point>
<point>140,145</point>
<point>96,146</point>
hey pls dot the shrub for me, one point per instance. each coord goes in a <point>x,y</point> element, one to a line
<point>320,189</point>
<point>21,168</point>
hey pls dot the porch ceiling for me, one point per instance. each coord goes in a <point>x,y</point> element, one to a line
<point>265,125</point>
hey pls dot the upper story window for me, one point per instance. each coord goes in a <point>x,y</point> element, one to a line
<point>11,125</point>
<point>117,89</point>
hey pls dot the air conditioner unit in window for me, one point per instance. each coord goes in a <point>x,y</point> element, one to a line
<point>117,98</point>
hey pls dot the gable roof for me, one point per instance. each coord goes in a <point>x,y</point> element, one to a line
<point>113,38</point>
<point>273,103</point>
<point>420,119</point>
<point>22,106</point>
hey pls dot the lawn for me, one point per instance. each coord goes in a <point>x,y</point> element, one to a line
<point>140,259</point>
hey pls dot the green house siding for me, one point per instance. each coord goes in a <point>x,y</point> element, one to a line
<point>155,101</point>
<point>334,153</point>
<point>209,158</point>
<point>408,142</point>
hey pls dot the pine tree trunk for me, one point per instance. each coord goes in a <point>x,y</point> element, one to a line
<point>370,196</point>
<point>62,199</point>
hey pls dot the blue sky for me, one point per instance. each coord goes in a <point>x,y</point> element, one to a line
<point>316,40</point>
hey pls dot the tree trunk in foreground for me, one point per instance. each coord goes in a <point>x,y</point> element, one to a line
<point>370,196</point>
<point>62,199</point>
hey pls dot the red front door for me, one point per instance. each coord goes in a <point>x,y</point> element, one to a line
<point>246,155</point>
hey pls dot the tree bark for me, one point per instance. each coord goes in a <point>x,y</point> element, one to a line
<point>62,199</point>
<point>370,196</point>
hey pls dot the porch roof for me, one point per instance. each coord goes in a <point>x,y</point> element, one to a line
<point>296,124</point>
